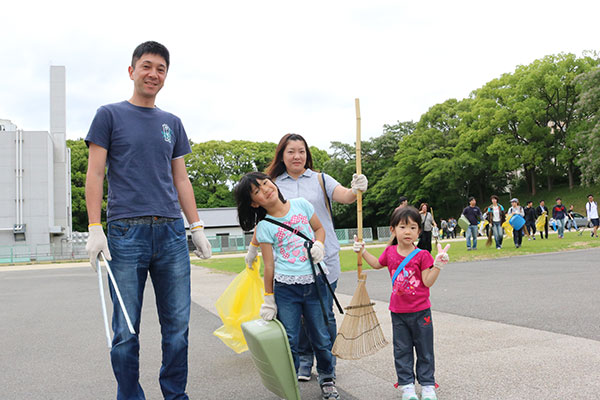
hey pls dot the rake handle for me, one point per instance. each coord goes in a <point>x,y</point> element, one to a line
<point>359,220</point>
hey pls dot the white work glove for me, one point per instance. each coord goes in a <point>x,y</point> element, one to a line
<point>96,243</point>
<point>317,252</point>
<point>268,310</point>
<point>203,247</point>
<point>441,258</point>
<point>358,247</point>
<point>251,255</point>
<point>359,182</point>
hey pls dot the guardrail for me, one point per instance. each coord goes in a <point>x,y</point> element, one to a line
<point>233,243</point>
<point>220,244</point>
<point>42,252</point>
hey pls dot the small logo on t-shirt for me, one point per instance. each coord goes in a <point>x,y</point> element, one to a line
<point>166,132</point>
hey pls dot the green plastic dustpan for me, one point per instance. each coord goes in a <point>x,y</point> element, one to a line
<point>463,222</point>
<point>270,349</point>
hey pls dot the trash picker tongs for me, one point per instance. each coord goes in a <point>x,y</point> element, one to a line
<point>118,293</point>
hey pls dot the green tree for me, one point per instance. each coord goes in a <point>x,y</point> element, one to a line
<point>215,166</point>
<point>79,158</point>
<point>514,119</point>
<point>535,124</point>
<point>79,162</point>
<point>265,151</point>
<point>426,168</point>
<point>341,165</point>
<point>552,80</point>
<point>320,157</point>
<point>443,161</point>
<point>377,157</point>
<point>588,108</point>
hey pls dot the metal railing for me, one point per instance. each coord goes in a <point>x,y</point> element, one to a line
<point>220,244</point>
<point>383,233</point>
<point>346,236</point>
<point>42,252</point>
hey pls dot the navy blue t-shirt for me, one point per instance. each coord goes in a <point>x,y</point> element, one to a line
<point>473,214</point>
<point>141,143</point>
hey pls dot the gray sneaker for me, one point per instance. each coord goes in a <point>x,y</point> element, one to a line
<point>328,390</point>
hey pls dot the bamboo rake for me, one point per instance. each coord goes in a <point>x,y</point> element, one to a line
<point>360,334</point>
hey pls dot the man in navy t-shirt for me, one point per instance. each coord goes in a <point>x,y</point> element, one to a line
<point>473,214</point>
<point>142,149</point>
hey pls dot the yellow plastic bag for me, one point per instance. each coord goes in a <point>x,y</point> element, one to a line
<point>540,223</point>
<point>508,229</point>
<point>239,303</point>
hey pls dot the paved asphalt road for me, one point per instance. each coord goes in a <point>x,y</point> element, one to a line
<point>555,292</point>
<point>53,344</point>
<point>52,341</point>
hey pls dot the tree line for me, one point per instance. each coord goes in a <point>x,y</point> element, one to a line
<point>537,126</point>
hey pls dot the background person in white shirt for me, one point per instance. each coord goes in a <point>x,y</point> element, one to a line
<point>591,209</point>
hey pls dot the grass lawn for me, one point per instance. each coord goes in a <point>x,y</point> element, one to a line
<point>458,251</point>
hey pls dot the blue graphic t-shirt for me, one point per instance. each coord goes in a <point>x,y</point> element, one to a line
<point>141,142</point>
<point>290,254</point>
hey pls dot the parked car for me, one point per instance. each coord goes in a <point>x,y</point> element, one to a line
<point>580,220</point>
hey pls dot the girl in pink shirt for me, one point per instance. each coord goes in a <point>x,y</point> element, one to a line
<point>409,301</point>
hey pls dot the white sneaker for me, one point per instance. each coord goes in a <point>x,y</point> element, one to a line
<point>408,392</point>
<point>428,393</point>
<point>304,373</point>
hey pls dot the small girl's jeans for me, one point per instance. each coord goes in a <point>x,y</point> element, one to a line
<point>414,330</point>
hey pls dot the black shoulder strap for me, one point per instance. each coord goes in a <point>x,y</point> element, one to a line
<point>289,228</point>
<point>321,178</point>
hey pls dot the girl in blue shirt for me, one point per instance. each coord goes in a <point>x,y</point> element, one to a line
<point>290,287</point>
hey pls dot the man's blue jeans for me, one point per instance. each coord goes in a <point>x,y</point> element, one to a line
<point>294,301</point>
<point>560,225</point>
<point>305,349</point>
<point>158,246</point>
<point>498,232</point>
<point>471,233</point>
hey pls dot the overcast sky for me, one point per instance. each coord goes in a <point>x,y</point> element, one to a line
<point>256,70</point>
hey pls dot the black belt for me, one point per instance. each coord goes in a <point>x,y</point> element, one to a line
<point>146,220</point>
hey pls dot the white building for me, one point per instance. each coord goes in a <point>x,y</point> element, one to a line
<point>222,229</point>
<point>35,201</point>
<point>6,125</point>
<point>220,221</point>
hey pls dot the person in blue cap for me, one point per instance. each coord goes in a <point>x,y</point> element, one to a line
<point>516,209</point>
